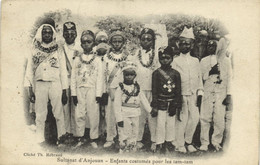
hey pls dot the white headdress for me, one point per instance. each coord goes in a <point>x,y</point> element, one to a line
<point>38,35</point>
<point>187,33</point>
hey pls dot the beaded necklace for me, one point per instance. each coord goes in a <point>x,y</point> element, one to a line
<point>135,91</point>
<point>89,61</point>
<point>110,56</point>
<point>151,58</point>
<point>51,49</point>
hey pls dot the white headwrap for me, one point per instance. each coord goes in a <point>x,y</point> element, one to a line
<point>187,33</point>
<point>38,36</point>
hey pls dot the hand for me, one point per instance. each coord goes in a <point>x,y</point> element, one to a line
<point>178,114</point>
<point>75,100</point>
<point>120,124</point>
<point>172,111</point>
<point>64,97</point>
<point>31,95</point>
<point>227,100</point>
<point>98,100</point>
<point>199,98</point>
<point>154,112</point>
<point>214,70</point>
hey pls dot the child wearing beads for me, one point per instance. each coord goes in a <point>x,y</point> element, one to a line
<point>128,99</point>
<point>86,89</point>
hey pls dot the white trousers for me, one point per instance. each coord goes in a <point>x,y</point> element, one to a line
<point>190,117</point>
<point>165,127</point>
<point>87,108</point>
<point>144,117</point>
<point>69,114</point>
<point>110,120</point>
<point>43,92</point>
<point>130,130</point>
<point>212,110</point>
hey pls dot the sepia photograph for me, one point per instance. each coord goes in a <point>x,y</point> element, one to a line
<point>139,82</point>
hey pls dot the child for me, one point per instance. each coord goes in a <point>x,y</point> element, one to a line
<point>117,55</point>
<point>86,89</point>
<point>166,99</point>
<point>128,99</point>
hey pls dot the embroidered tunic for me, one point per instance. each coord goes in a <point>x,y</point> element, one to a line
<point>132,107</point>
<point>47,63</point>
<point>87,74</point>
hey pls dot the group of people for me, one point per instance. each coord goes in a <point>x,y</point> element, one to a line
<point>169,92</point>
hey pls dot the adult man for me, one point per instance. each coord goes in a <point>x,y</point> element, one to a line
<point>216,73</point>
<point>47,69</point>
<point>69,34</point>
<point>191,84</point>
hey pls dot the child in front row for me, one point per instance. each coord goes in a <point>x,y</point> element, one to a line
<point>128,99</point>
<point>166,100</point>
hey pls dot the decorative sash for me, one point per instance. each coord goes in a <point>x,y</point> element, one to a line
<point>165,75</point>
<point>113,73</point>
<point>68,64</point>
<point>42,54</point>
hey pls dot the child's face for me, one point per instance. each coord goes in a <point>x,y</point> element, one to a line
<point>146,41</point>
<point>129,76</point>
<point>165,59</point>
<point>70,36</point>
<point>117,42</point>
<point>185,45</point>
<point>47,34</point>
<point>87,42</point>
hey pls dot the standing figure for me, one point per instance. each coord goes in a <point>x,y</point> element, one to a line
<point>69,34</point>
<point>192,91</point>
<point>47,68</point>
<point>145,59</point>
<point>166,99</point>
<point>86,89</point>
<point>216,73</point>
<point>128,101</point>
<point>112,71</point>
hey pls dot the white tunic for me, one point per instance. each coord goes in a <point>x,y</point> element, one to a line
<point>144,74</point>
<point>189,69</point>
<point>87,75</point>
<point>124,111</point>
<point>51,69</point>
<point>210,84</point>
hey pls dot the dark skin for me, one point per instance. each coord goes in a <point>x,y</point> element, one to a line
<point>87,44</point>
<point>47,34</point>
<point>129,76</point>
<point>147,41</point>
<point>70,36</point>
<point>47,37</point>
<point>185,46</point>
<point>117,42</point>
<point>165,61</point>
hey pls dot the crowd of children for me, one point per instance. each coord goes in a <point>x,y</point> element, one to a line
<point>104,89</point>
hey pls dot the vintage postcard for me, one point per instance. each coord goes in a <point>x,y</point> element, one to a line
<point>129,82</point>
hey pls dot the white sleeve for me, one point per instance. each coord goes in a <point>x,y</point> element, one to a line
<point>63,69</point>
<point>229,77</point>
<point>204,69</point>
<point>118,105</point>
<point>200,89</point>
<point>28,78</point>
<point>100,79</point>
<point>145,102</point>
<point>73,82</point>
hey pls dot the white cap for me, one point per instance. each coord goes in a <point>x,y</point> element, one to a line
<point>101,34</point>
<point>129,65</point>
<point>187,33</point>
